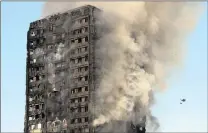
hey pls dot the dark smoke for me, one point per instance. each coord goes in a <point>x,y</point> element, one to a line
<point>140,44</point>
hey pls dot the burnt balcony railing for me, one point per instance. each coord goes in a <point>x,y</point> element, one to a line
<point>79,94</point>
<point>78,54</point>
<point>34,73</point>
<point>79,25</point>
<point>78,35</point>
<point>79,124</point>
<point>78,74</point>
<point>74,65</point>
<point>79,114</point>
<point>79,84</point>
<point>75,45</point>
<point>79,104</point>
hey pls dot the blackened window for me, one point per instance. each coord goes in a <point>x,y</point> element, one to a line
<point>86,119</point>
<point>79,60</point>
<point>73,61</point>
<point>72,121</point>
<point>86,108</point>
<point>79,40</point>
<point>72,101</point>
<point>43,115</point>
<point>79,120</point>
<point>42,106</point>
<point>86,88</point>
<point>72,131</point>
<point>86,29</point>
<point>80,21</point>
<point>86,39</point>
<point>72,91</point>
<point>72,110</point>
<point>86,78</point>
<point>86,68</point>
<point>80,99</point>
<point>86,19</point>
<point>86,58</point>
<point>79,31</point>
<point>36,106</point>
<point>37,77</point>
<point>36,116</point>
<point>86,98</point>
<point>80,89</point>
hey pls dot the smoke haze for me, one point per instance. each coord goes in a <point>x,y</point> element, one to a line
<point>140,44</point>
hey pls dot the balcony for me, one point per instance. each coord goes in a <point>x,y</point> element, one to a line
<point>79,84</point>
<point>55,98</point>
<point>38,24</point>
<point>36,76</point>
<point>36,64</point>
<point>35,83</point>
<point>35,35</point>
<point>79,94</point>
<point>50,49</point>
<point>62,68</point>
<point>41,72</point>
<point>36,101</point>
<point>76,45</point>
<point>34,90</point>
<point>32,84</point>
<point>80,114</point>
<point>32,34</point>
<point>79,35</point>
<point>79,104</point>
<point>34,73</point>
<point>74,65</point>
<point>78,54</point>
<point>35,111</point>
<point>31,112</point>
<point>80,74</point>
<point>77,25</point>
<point>31,122</point>
<point>78,124</point>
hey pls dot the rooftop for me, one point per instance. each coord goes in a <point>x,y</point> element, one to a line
<point>64,12</point>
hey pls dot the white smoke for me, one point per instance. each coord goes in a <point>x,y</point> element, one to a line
<point>141,42</point>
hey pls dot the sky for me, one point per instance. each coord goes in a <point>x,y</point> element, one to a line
<point>189,82</point>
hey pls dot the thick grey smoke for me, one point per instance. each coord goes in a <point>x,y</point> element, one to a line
<point>140,44</point>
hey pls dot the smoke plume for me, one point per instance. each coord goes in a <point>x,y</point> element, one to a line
<point>140,44</point>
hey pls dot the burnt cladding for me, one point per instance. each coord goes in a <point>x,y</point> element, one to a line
<point>60,81</point>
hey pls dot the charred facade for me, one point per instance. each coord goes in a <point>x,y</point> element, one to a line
<point>60,79</point>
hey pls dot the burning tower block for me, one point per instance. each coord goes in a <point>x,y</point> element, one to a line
<point>60,72</point>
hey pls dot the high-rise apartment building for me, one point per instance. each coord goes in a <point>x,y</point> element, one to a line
<point>61,82</point>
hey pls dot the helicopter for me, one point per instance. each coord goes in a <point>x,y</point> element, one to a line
<point>182,100</point>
